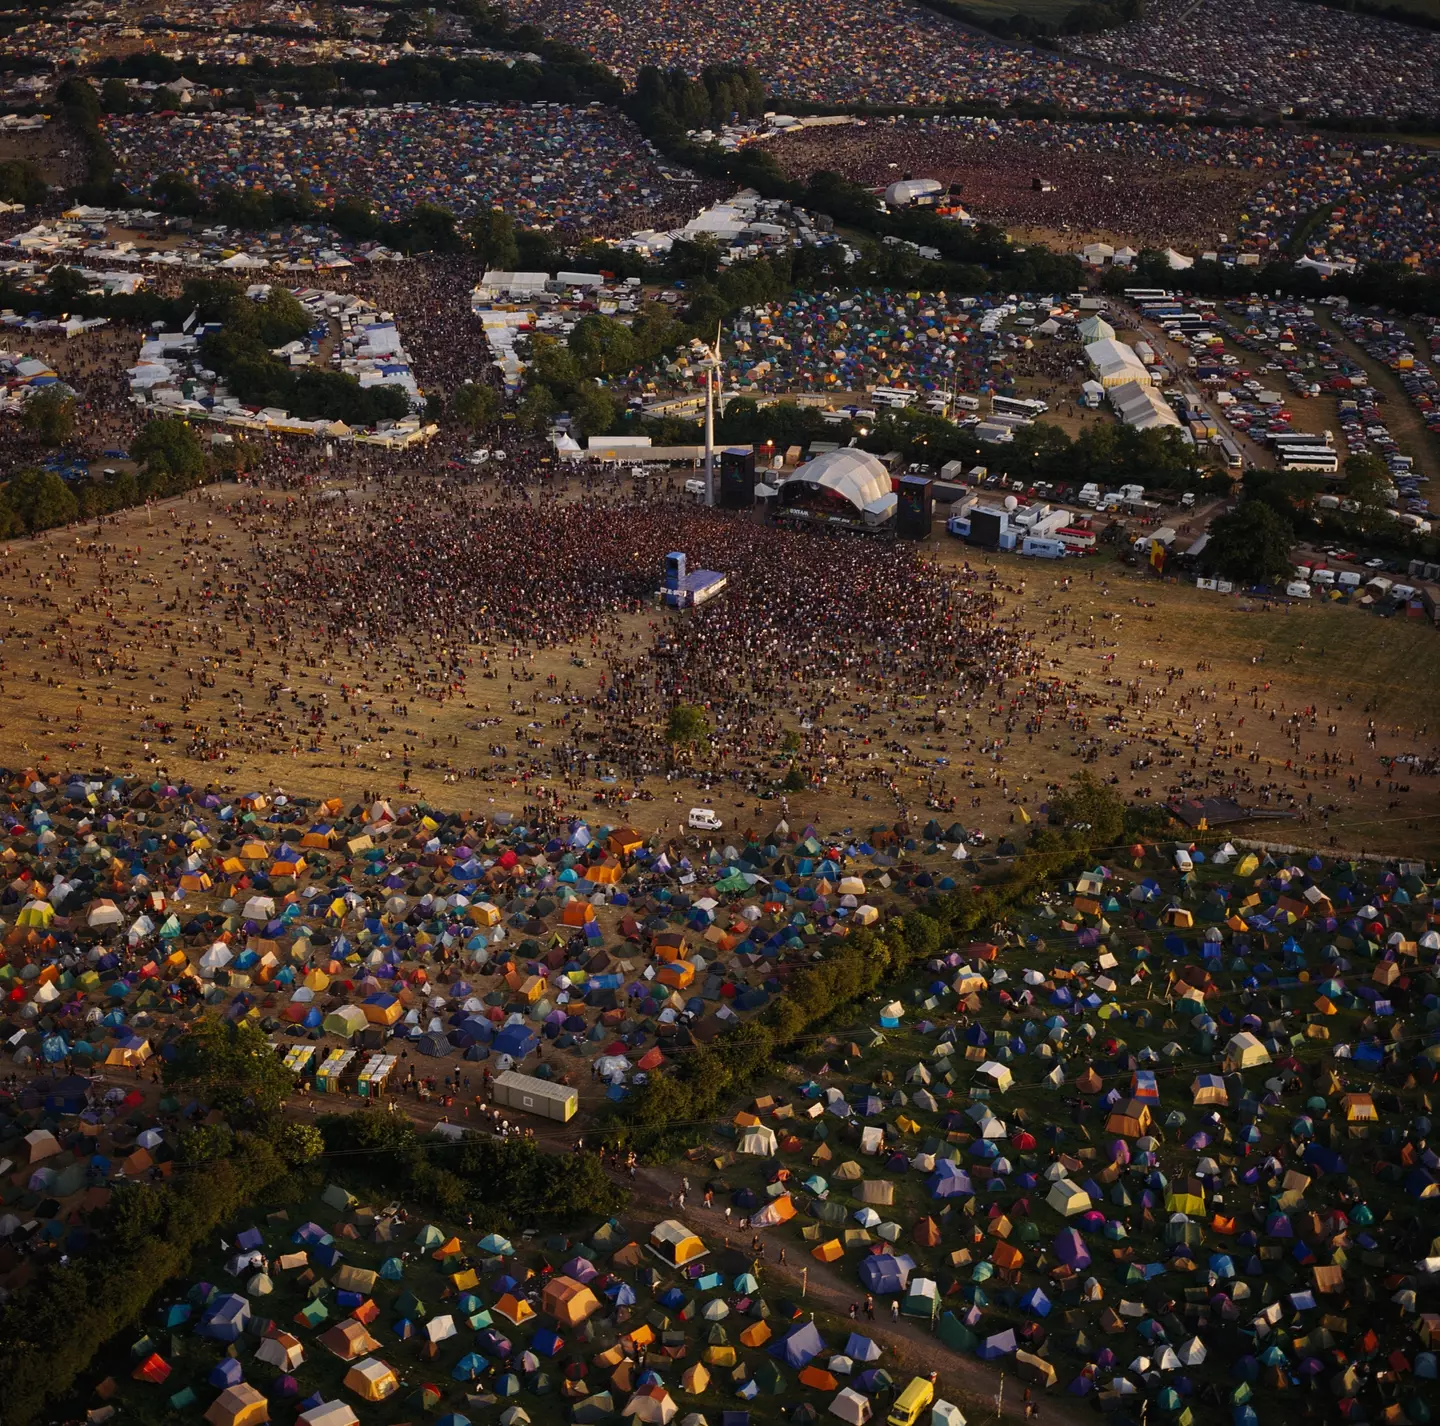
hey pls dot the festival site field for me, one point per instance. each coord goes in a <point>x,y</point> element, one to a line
<point>178,645</point>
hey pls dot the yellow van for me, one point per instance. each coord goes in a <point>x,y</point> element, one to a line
<point>919,1394</point>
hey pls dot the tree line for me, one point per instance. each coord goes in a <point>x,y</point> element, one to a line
<point>672,1108</point>
<point>1380,284</point>
<point>1024,28</point>
<point>53,1327</point>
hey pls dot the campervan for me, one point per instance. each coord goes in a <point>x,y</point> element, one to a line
<point>702,819</point>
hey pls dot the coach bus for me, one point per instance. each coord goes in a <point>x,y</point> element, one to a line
<point>1017,406</point>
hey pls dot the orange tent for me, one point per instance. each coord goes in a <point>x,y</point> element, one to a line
<point>818,1379</point>
<point>678,975</point>
<point>577,913</point>
<point>153,1369</point>
<point>1007,1256</point>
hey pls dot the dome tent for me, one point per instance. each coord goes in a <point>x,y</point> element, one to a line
<point>844,482</point>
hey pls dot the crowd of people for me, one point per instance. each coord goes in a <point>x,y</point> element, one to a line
<point>1228,190</point>
<point>1280,54</point>
<point>845,52</point>
<point>501,635</point>
<point>584,170</point>
<point>200,33</point>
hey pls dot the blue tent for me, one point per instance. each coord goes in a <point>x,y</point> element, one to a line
<point>882,1273</point>
<point>1000,1345</point>
<point>226,1372</point>
<point>226,1318</point>
<point>861,1349</point>
<point>517,1041</point>
<point>949,1181</point>
<point>801,1346</point>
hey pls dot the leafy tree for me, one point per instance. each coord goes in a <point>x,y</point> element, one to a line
<point>603,346</point>
<point>77,96</point>
<point>1367,481</point>
<point>794,779</point>
<point>687,726</point>
<point>169,447</point>
<point>66,285</point>
<point>299,1143</point>
<point>231,1068</point>
<point>1090,809</point>
<point>22,182</point>
<point>537,408</point>
<point>538,250</point>
<point>593,409</point>
<point>553,364</point>
<point>475,405</point>
<point>206,1142</point>
<point>1251,545</point>
<point>355,219</point>
<point>115,97</point>
<point>492,234</point>
<point>399,27</point>
<point>49,417</point>
<point>429,229</point>
<point>40,500</point>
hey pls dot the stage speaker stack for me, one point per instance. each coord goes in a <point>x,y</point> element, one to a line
<point>915,510</point>
<point>737,480</point>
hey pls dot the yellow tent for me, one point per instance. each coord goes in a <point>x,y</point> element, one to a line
<point>514,1309</point>
<point>828,1252</point>
<point>238,1405</point>
<point>567,1301</point>
<point>372,1380</point>
<point>675,1243</point>
<point>1191,1204</point>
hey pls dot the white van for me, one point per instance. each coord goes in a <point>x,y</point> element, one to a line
<point>695,487</point>
<point>702,819</point>
<point>1297,590</point>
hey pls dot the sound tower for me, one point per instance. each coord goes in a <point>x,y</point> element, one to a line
<point>915,509</point>
<point>737,480</point>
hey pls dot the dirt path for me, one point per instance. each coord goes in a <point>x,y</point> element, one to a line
<point>914,1350</point>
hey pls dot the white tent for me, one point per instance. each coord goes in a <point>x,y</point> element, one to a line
<point>850,1406</point>
<point>999,1075</point>
<point>1067,1198</point>
<point>1115,364</point>
<point>329,1413</point>
<point>1244,1052</point>
<point>1095,329</point>
<point>759,1140</point>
